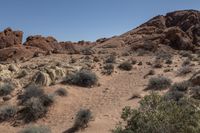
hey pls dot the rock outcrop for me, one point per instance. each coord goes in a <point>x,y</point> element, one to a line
<point>179,30</point>
<point>43,43</point>
<point>10,38</point>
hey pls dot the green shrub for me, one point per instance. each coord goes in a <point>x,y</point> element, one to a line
<point>83,78</point>
<point>61,92</point>
<point>36,129</point>
<point>158,83</point>
<point>157,115</point>
<point>7,112</point>
<point>174,95</point>
<point>127,66</point>
<point>6,89</point>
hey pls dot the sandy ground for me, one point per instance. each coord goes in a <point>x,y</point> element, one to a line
<point>105,101</point>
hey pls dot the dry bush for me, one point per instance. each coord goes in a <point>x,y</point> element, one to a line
<point>61,92</point>
<point>108,69</point>
<point>6,89</point>
<point>127,66</point>
<point>158,83</point>
<point>7,112</point>
<point>83,78</point>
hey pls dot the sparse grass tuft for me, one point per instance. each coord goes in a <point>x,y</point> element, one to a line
<point>36,129</point>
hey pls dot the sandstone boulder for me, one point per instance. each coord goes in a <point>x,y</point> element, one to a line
<point>41,79</point>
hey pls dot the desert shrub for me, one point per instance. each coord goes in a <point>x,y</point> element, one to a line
<point>110,59</point>
<point>158,115</point>
<point>35,103</point>
<point>162,55</point>
<point>195,92</point>
<point>186,54</point>
<point>181,86</point>
<point>6,89</point>
<point>82,118</point>
<point>127,66</point>
<point>61,92</point>
<point>31,91</point>
<point>7,112</point>
<point>36,129</point>
<point>174,95</point>
<point>158,83</point>
<point>47,100</point>
<point>84,78</point>
<point>108,69</point>
<point>33,110</point>
<point>168,61</point>
<point>186,62</point>
<point>133,61</point>
<point>87,51</point>
<point>184,70</point>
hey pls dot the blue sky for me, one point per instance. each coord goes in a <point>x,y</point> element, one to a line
<point>83,19</point>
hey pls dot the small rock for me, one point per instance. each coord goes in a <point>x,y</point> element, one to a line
<point>12,68</point>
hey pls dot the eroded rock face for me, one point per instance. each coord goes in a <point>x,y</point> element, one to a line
<point>183,19</point>
<point>17,53</point>
<point>178,39</point>
<point>179,30</point>
<point>44,43</point>
<point>41,79</point>
<point>10,38</point>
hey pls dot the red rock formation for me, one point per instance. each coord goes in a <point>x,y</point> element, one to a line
<point>180,30</point>
<point>10,38</point>
<point>44,43</point>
